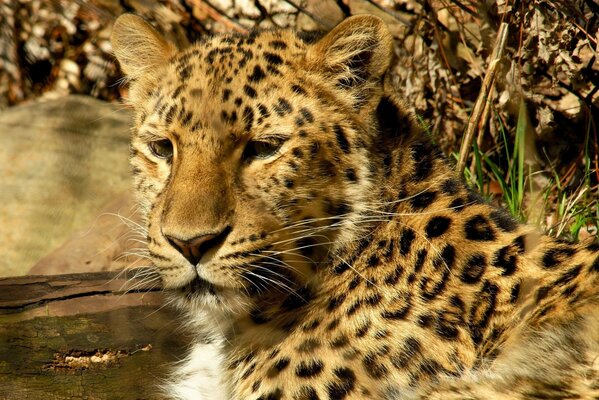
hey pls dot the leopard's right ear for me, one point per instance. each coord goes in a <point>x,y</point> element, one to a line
<point>138,47</point>
<point>355,56</point>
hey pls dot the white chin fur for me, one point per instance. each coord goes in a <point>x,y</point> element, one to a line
<point>200,375</point>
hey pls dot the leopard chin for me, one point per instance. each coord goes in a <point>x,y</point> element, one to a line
<point>198,287</point>
<point>200,297</point>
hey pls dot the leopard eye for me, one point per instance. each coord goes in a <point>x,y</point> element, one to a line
<point>258,149</point>
<point>161,148</point>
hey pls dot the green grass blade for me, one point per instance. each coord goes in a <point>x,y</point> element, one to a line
<point>479,168</point>
<point>520,150</point>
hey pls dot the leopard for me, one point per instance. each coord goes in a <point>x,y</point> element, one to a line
<point>318,243</point>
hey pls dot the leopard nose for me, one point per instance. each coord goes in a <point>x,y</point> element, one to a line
<point>193,249</point>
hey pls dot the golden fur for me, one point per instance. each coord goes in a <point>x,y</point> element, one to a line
<point>317,238</point>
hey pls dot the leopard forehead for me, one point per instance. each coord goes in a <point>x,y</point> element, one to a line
<point>227,82</point>
<point>230,84</point>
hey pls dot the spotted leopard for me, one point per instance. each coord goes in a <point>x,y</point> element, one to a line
<point>322,247</point>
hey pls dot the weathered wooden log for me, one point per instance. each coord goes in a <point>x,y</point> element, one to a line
<point>85,336</point>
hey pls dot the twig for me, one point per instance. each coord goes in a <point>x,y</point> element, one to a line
<point>482,96</point>
<point>585,100</point>
<point>392,13</point>
<point>483,122</point>
<point>465,8</point>
<point>219,16</point>
<point>429,7</point>
<point>326,25</point>
<point>596,146</point>
<point>572,20</point>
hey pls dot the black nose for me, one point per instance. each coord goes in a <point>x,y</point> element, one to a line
<point>193,249</point>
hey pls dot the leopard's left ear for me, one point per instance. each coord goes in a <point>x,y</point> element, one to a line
<point>357,51</point>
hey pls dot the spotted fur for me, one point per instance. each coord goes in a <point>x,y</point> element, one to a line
<point>323,248</point>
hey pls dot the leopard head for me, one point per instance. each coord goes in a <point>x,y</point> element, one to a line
<point>255,155</point>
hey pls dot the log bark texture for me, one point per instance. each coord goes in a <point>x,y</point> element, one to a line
<point>85,336</point>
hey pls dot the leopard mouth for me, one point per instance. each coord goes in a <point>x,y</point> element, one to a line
<point>199,286</point>
<point>201,296</point>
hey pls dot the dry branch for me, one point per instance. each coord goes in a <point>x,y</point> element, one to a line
<point>483,96</point>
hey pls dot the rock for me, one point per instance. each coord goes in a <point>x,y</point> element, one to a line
<point>110,241</point>
<point>61,162</point>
